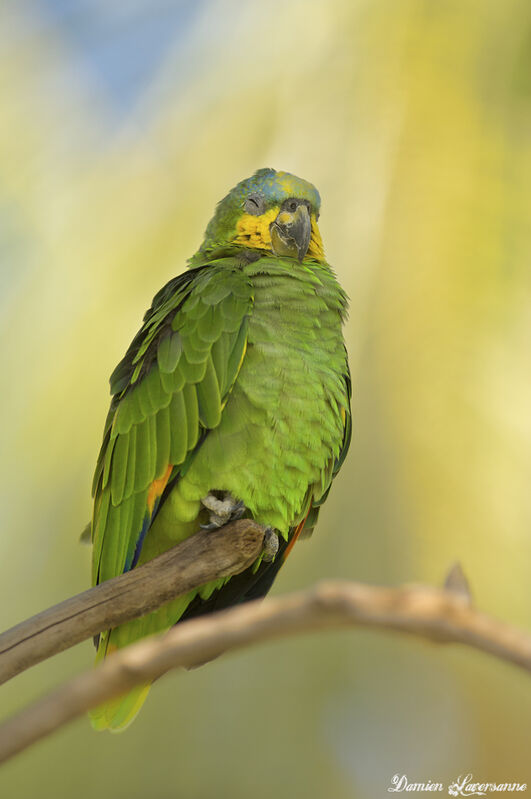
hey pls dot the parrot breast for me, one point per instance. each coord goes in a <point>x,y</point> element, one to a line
<point>282,426</point>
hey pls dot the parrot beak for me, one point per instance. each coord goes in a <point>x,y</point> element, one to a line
<point>291,232</point>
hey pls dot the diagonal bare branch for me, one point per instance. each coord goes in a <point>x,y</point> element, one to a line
<point>201,558</point>
<point>441,615</point>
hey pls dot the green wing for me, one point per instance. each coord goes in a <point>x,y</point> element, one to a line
<point>168,391</point>
<point>305,529</point>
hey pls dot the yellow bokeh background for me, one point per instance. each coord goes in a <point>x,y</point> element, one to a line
<point>413,118</point>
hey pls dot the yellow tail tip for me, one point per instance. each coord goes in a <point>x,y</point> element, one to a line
<point>117,714</point>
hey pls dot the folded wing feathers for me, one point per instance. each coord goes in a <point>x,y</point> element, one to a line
<point>182,379</point>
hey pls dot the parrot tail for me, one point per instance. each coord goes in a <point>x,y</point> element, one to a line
<point>117,714</point>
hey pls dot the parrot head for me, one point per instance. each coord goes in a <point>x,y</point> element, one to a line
<point>272,211</point>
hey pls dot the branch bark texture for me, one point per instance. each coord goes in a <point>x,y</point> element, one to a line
<point>201,558</point>
<point>445,615</point>
<point>441,615</point>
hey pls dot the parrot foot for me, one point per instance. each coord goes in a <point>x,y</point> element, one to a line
<point>222,511</point>
<point>270,545</point>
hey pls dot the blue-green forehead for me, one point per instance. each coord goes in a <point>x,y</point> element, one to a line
<point>279,186</point>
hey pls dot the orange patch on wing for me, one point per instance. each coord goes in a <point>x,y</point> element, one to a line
<point>296,533</point>
<point>157,487</point>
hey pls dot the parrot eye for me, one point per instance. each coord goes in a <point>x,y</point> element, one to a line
<point>292,204</point>
<point>255,204</point>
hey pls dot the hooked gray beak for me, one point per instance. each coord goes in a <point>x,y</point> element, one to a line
<point>291,232</point>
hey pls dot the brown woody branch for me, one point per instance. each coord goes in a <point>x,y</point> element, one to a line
<point>201,558</point>
<point>443,615</point>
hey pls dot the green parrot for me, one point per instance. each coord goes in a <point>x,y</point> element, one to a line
<point>232,400</point>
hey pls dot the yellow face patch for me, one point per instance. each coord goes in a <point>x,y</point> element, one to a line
<point>253,231</point>
<point>315,249</point>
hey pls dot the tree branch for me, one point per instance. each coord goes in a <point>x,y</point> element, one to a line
<point>203,557</point>
<point>443,615</point>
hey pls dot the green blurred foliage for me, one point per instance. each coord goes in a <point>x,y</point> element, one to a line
<point>413,118</point>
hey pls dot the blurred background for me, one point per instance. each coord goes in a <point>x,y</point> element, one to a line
<point>121,125</point>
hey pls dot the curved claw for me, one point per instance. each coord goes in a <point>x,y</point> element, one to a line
<point>222,511</point>
<point>270,545</point>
